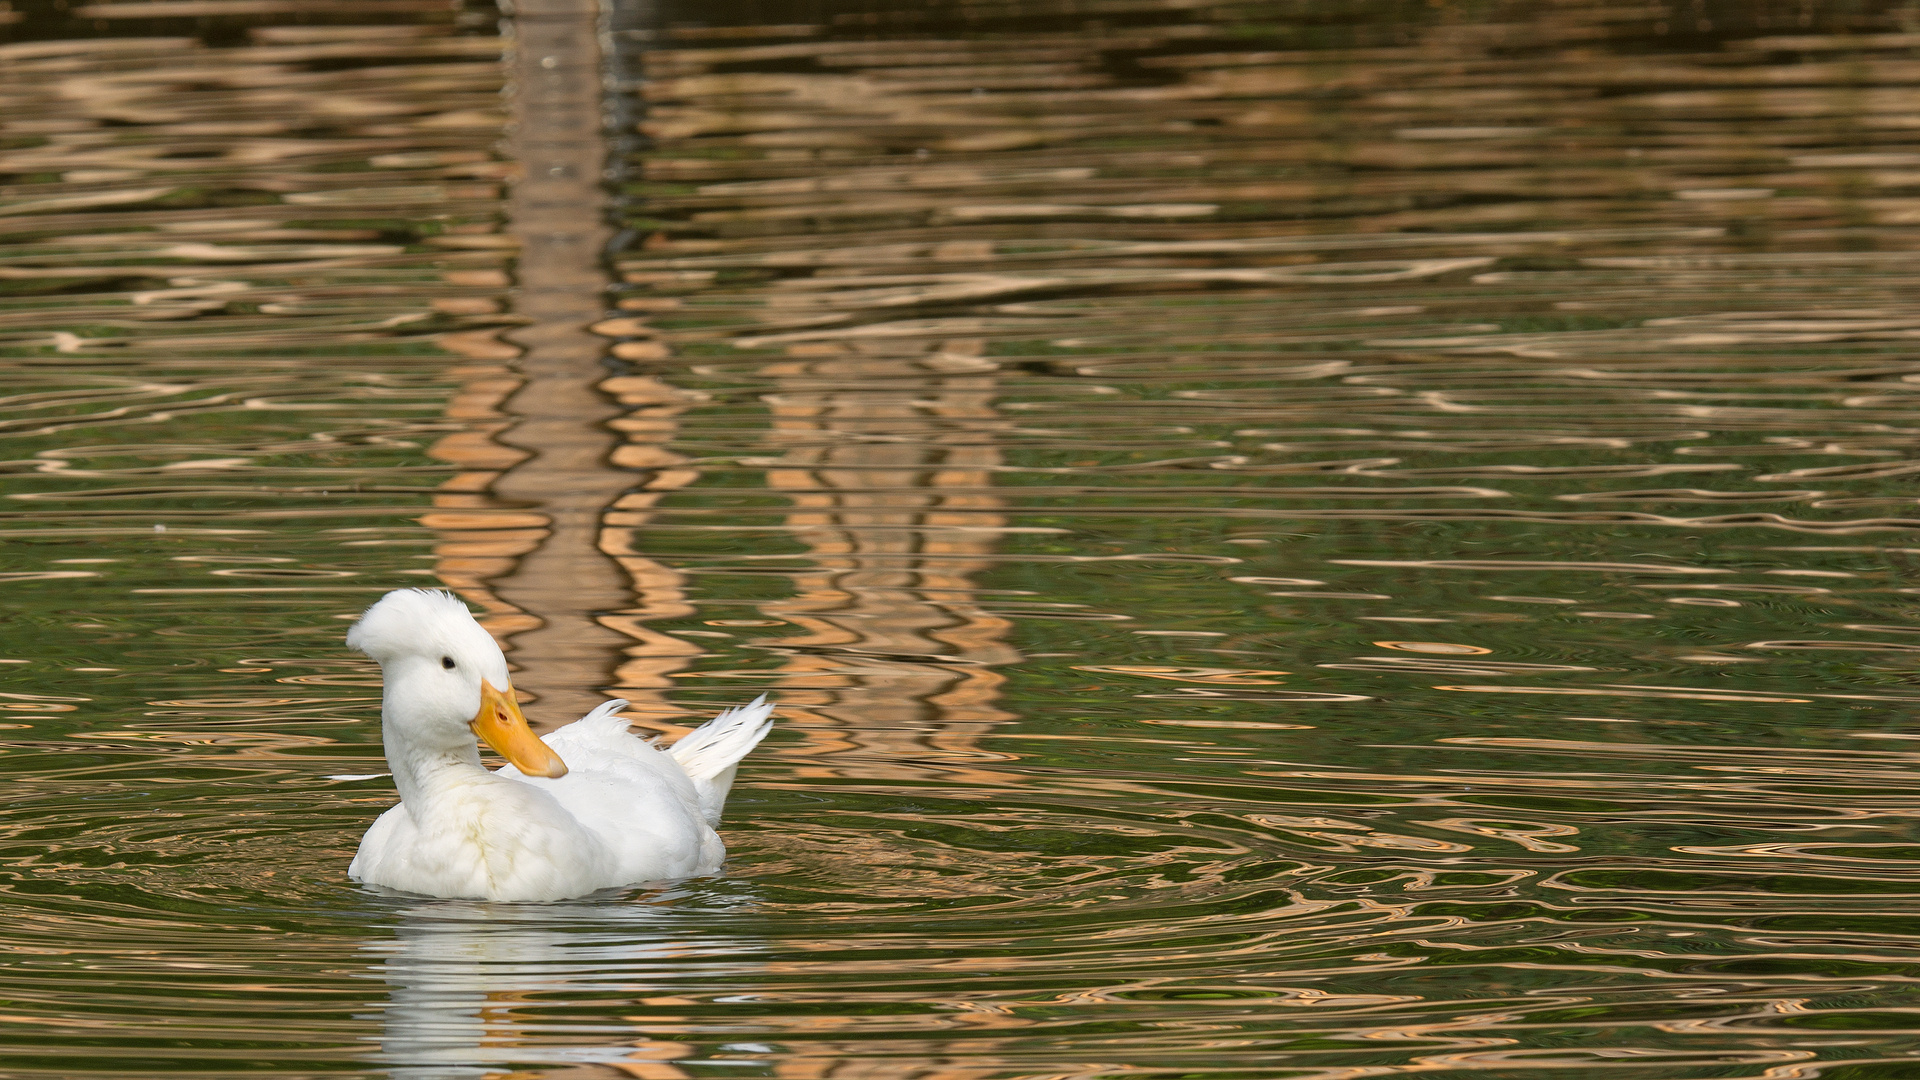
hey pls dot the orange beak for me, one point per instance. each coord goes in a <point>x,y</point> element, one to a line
<point>502,726</point>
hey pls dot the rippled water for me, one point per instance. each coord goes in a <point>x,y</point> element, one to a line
<point>1288,543</point>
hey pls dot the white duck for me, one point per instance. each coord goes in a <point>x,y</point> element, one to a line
<point>625,812</point>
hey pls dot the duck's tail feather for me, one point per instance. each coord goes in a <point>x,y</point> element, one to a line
<point>711,752</point>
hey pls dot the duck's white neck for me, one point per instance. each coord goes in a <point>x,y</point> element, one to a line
<point>421,771</point>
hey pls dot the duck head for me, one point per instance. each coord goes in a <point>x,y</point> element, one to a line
<point>445,681</point>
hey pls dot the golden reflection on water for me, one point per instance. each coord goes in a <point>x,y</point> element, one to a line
<point>886,452</point>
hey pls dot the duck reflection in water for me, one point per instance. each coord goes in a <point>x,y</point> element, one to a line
<point>471,983</point>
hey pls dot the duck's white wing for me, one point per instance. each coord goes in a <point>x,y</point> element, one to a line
<point>706,757</point>
<point>633,795</point>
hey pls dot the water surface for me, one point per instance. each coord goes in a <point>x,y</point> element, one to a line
<point>1286,546</point>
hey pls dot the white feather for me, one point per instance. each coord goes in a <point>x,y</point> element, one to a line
<point>711,752</point>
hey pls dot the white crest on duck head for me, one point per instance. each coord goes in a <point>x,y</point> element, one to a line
<point>428,623</point>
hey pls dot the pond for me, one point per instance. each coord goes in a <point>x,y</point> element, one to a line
<point>1287,540</point>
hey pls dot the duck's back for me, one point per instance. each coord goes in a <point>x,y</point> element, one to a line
<point>633,796</point>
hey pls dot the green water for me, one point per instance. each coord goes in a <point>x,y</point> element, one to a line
<point>1286,544</point>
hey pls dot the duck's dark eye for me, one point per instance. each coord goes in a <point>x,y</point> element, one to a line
<point>447,662</point>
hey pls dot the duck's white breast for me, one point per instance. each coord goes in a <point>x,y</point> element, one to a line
<point>494,839</point>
